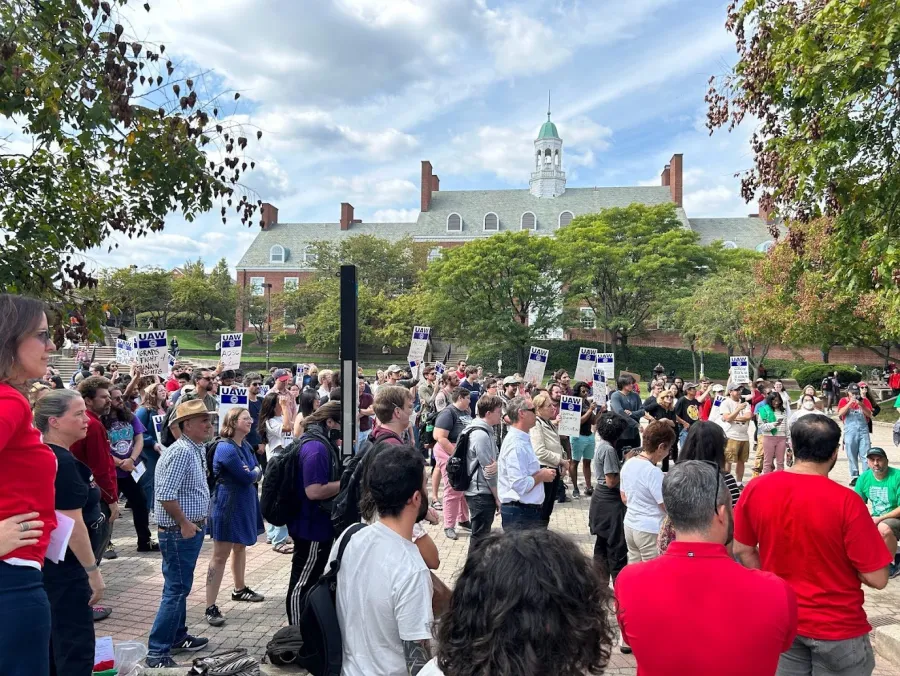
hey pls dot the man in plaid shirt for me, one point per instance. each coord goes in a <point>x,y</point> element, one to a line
<point>182,505</point>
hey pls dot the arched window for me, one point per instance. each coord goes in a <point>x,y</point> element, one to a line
<point>729,245</point>
<point>276,254</point>
<point>491,222</point>
<point>765,246</point>
<point>565,218</point>
<point>548,156</point>
<point>454,223</point>
<point>529,221</point>
<point>434,254</point>
<point>556,159</point>
<point>310,257</point>
<point>537,160</point>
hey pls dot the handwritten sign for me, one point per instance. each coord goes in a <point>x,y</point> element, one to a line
<point>587,358</point>
<point>419,343</point>
<point>570,416</point>
<point>299,372</point>
<point>124,351</point>
<point>230,346</point>
<point>537,364</point>
<point>151,354</point>
<point>607,361</point>
<point>599,389</point>
<point>232,397</point>
<point>740,370</point>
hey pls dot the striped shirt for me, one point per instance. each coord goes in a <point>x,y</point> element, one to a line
<point>181,476</point>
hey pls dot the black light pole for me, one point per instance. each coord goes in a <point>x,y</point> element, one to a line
<point>268,320</point>
<point>348,358</point>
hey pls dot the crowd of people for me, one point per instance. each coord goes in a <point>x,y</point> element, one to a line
<point>674,515</point>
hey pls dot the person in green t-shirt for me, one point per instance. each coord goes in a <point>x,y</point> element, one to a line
<point>881,486</point>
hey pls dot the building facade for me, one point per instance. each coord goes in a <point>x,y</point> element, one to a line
<point>283,254</point>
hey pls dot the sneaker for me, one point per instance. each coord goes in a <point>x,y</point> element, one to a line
<point>101,612</point>
<point>247,594</point>
<point>149,547</point>
<point>589,491</point>
<point>853,481</point>
<point>625,649</point>
<point>191,644</point>
<point>214,616</point>
<point>451,534</point>
<point>465,525</point>
<point>576,493</point>
<point>561,497</point>
<point>164,662</point>
<point>110,553</point>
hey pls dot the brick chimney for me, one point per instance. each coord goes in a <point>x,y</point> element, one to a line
<point>435,183</point>
<point>268,215</point>
<point>765,210</point>
<point>346,215</point>
<point>674,171</point>
<point>427,185</point>
<point>665,177</point>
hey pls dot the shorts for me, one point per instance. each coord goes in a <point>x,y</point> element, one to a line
<point>737,451</point>
<point>582,447</point>
<point>894,525</point>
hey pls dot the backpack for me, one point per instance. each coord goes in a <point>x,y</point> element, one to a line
<point>319,626</point>
<point>287,647</point>
<point>279,499</point>
<point>345,507</point>
<point>229,663</point>
<point>826,385</point>
<point>457,464</point>
<point>211,446</point>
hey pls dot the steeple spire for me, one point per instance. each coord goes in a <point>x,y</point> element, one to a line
<point>548,105</point>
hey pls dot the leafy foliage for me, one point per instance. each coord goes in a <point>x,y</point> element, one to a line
<point>388,267</point>
<point>208,297</point>
<point>814,374</point>
<point>130,291</point>
<point>111,139</point>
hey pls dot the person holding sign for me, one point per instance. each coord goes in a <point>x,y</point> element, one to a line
<point>583,444</point>
<point>153,401</point>
<point>547,445</point>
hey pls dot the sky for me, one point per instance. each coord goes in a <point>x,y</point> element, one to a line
<point>351,95</point>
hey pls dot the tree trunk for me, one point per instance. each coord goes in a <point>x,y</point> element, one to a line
<point>694,361</point>
<point>521,357</point>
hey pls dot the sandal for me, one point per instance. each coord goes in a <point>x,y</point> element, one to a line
<point>283,548</point>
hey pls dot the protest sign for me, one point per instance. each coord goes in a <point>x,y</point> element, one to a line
<point>419,343</point>
<point>600,390</point>
<point>415,369</point>
<point>124,352</point>
<point>299,373</point>
<point>570,416</point>
<point>584,369</point>
<point>740,370</point>
<point>151,354</point>
<point>230,345</point>
<point>607,361</point>
<point>537,364</point>
<point>170,362</point>
<point>157,425</point>
<point>439,368</point>
<point>229,398</point>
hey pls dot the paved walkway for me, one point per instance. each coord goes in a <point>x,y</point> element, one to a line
<point>134,584</point>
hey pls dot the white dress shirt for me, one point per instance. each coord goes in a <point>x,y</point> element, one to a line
<point>516,465</point>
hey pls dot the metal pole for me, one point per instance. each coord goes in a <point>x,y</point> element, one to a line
<point>268,321</point>
<point>348,358</point>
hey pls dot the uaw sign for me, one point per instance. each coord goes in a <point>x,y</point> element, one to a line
<point>740,370</point>
<point>570,416</point>
<point>587,357</point>
<point>537,364</point>
<point>419,343</point>
<point>230,350</point>
<point>151,353</point>
<point>232,397</point>
<point>124,351</point>
<point>607,361</point>
<point>439,368</point>
<point>599,390</point>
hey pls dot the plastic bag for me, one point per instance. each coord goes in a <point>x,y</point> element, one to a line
<point>129,655</point>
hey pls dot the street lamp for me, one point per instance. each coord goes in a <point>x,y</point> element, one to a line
<point>268,320</point>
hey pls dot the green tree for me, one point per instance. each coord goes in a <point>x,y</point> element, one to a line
<point>821,79</point>
<point>111,139</point>
<point>383,265</point>
<point>132,290</point>
<point>209,296</point>
<point>502,290</point>
<point>628,264</point>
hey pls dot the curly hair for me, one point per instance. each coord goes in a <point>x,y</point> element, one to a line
<point>611,426</point>
<point>527,602</point>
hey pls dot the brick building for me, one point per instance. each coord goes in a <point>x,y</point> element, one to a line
<point>283,254</point>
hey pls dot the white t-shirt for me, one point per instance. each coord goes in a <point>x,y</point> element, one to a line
<point>737,431</point>
<point>641,482</point>
<point>274,435</point>
<point>383,598</point>
<point>431,669</point>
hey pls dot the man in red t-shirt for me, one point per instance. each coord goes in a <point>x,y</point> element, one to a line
<point>683,589</point>
<point>818,536</point>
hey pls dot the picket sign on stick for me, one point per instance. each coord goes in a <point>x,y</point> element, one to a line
<point>607,361</point>
<point>151,353</point>
<point>600,390</point>
<point>740,370</point>
<point>419,344</point>
<point>537,364</point>
<point>587,359</point>
<point>230,347</point>
<point>229,398</point>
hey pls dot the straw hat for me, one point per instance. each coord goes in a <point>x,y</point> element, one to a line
<point>190,409</point>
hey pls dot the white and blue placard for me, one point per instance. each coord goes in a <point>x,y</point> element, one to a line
<point>537,364</point>
<point>151,353</point>
<point>570,416</point>
<point>300,371</point>
<point>439,368</point>
<point>587,358</point>
<point>415,369</point>
<point>599,389</point>
<point>263,390</point>
<point>230,397</point>
<point>740,370</point>
<point>170,361</point>
<point>230,346</point>
<point>124,351</point>
<point>419,343</point>
<point>607,361</point>
<point>157,425</point>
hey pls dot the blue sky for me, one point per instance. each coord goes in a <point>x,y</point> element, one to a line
<point>352,94</point>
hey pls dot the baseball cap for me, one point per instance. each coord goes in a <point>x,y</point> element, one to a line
<point>393,368</point>
<point>282,374</point>
<point>853,388</point>
<point>690,386</point>
<point>718,388</point>
<point>735,386</point>
<point>511,380</point>
<point>875,450</point>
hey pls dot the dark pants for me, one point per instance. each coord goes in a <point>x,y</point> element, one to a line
<point>516,516</point>
<point>307,566</point>
<point>671,458</point>
<point>135,496</point>
<point>99,533</point>
<point>628,442</point>
<point>24,622</point>
<point>607,522</point>
<point>72,627</point>
<point>148,481</point>
<point>551,490</point>
<point>482,509</point>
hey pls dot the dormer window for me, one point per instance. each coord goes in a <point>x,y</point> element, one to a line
<point>565,218</point>
<point>729,245</point>
<point>276,254</point>
<point>454,223</point>
<point>529,221</point>
<point>491,222</point>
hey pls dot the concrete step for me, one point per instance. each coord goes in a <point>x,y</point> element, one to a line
<point>886,642</point>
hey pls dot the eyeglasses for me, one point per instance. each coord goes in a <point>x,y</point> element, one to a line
<point>530,410</point>
<point>43,336</point>
<point>717,471</point>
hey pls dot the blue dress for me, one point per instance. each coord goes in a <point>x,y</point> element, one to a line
<point>234,514</point>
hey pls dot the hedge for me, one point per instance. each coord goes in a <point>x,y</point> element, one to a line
<point>814,374</point>
<point>181,321</point>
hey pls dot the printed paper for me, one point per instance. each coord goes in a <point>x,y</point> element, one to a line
<point>537,364</point>
<point>587,359</point>
<point>231,350</point>
<point>570,416</point>
<point>151,353</point>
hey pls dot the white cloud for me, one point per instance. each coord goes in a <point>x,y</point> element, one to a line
<point>371,190</point>
<point>395,216</point>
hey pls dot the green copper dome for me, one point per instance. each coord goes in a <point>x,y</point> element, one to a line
<point>548,130</point>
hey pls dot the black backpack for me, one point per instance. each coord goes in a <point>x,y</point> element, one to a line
<point>457,465</point>
<point>345,506</point>
<point>826,385</point>
<point>287,648</point>
<point>322,641</point>
<point>279,499</point>
<point>211,478</point>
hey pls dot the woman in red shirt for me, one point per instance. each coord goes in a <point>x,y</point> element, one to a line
<point>26,485</point>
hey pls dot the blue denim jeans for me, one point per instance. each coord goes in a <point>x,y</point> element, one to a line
<point>361,437</point>
<point>277,534</point>
<point>179,558</point>
<point>521,517</point>
<point>24,622</point>
<point>856,445</point>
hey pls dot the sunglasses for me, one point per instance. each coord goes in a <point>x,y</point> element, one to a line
<point>43,336</point>
<point>530,410</point>
<point>716,470</point>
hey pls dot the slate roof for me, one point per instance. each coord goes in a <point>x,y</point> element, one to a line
<point>747,233</point>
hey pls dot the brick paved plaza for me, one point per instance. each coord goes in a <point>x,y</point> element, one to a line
<point>134,583</point>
